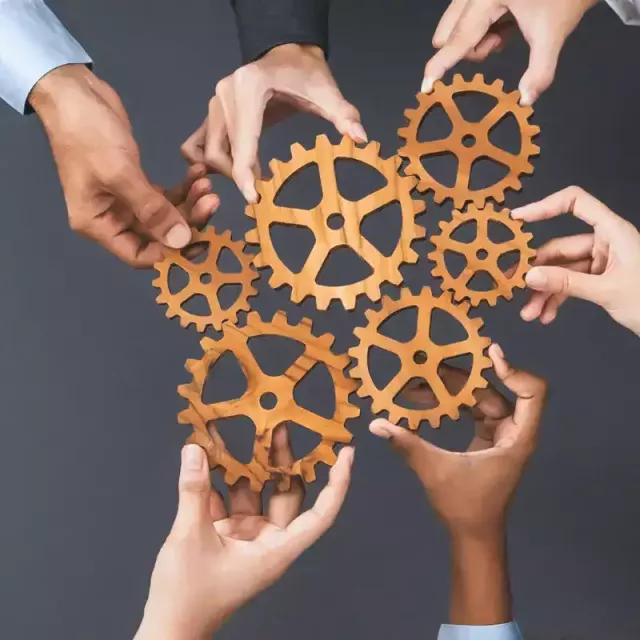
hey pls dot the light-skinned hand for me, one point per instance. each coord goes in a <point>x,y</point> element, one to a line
<point>288,79</point>
<point>217,557</point>
<point>108,196</point>
<point>602,266</point>
<point>473,29</point>
<point>471,491</point>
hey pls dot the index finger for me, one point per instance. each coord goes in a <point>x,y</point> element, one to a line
<point>572,200</point>
<point>474,22</point>
<point>243,102</point>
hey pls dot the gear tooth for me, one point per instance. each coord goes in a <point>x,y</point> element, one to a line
<point>322,301</point>
<point>346,145</point>
<point>361,391</point>
<point>373,148</point>
<point>458,79</point>
<point>419,206</point>
<point>464,307</point>
<point>296,149</point>
<point>498,85</point>
<point>397,161</point>
<point>157,282</point>
<point>250,210</point>
<point>275,166</point>
<point>258,261</point>
<point>252,236</point>
<point>322,140</point>
<point>478,78</point>
<point>403,132</point>
<point>410,113</point>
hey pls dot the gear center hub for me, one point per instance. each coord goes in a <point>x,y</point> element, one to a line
<point>420,357</point>
<point>335,221</point>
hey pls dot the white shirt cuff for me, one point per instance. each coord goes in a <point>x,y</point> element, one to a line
<point>32,43</point>
<point>508,631</point>
<point>628,10</point>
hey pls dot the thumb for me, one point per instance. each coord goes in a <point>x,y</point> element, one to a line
<point>409,445</point>
<point>543,61</point>
<point>194,490</point>
<point>157,216</point>
<point>567,282</point>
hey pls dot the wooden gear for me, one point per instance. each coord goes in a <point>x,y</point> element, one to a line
<point>384,268</point>
<point>206,279</point>
<point>412,366</point>
<point>477,261</point>
<point>201,416</point>
<point>476,133</point>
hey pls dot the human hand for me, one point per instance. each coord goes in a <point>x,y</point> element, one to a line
<point>602,266</point>
<point>471,491</point>
<point>289,78</point>
<point>108,197</point>
<point>473,29</point>
<point>215,560</point>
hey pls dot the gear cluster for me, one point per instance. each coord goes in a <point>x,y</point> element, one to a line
<point>335,222</point>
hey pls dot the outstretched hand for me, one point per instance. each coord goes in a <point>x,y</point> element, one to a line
<point>471,491</point>
<point>109,198</point>
<point>218,557</point>
<point>288,79</point>
<point>473,29</point>
<point>602,266</point>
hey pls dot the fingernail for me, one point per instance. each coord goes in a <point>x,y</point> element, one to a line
<point>178,236</point>
<point>427,85</point>
<point>526,99</point>
<point>536,278</point>
<point>498,349</point>
<point>378,430</point>
<point>516,213</point>
<point>349,454</point>
<point>192,457</point>
<point>358,133</point>
<point>250,194</point>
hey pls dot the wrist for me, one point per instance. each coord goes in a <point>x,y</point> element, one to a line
<point>59,85</point>
<point>152,628</point>
<point>293,50</point>
<point>480,579</point>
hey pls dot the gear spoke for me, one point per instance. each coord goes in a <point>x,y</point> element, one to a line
<point>371,202</point>
<point>495,115</point>
<point>460,348</point>
<point>482,233</point>
<point>464,172</point>
<point>438,387</point>
<point>450,106</point>
<point>389,344</point>
<point>291,216</point>
<point>500,155</point>
<point>395,385</point>
<point>316,260</point>
<point>433,147</point>
<point>299,368</point>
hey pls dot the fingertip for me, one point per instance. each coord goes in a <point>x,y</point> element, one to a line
<point>192,458</point>
<point>536,278</point>
<point>427,84</point>
<point>381,428</point>
<point>178,236</point>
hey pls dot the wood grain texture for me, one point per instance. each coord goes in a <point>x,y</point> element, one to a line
<point>468,141</point>
<point>384,268</point>
<point>203,416</point>
<point>206,279</point>
<point>420,358</point>
<point>482,255</point>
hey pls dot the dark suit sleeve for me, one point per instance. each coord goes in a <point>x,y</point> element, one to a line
<point>264,24</point>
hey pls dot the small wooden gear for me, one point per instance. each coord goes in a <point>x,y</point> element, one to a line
<point>384,268</point>
<point>206,279</point>
<point>482,255</point>
<point>420,358</point>
<point>469,141</point>
<point>203,416</point>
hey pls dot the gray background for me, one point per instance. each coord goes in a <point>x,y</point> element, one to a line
<point>90,447</point>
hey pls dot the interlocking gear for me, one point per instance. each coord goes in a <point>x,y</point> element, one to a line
<point>384,268</point>
<point>482,255</point>
<point>469,141</point>
<point>420,358</point>
<point>200,415</point>
<point>206,279</point>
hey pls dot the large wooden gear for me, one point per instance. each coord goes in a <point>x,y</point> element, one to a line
<point>206,279</point>
<point>420,358</point>
<point>203,416</point>
<point>469,141</point>
<point>384,268</point>
<point>482,254</point>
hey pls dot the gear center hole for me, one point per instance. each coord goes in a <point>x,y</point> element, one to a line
<point>469,140</point>
<point>335,221</point>
<point>268,400</point>
<point>420,357</point>
<point>482,254</point>
<point>206,278</point>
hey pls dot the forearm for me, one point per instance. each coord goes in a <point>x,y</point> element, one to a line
<point>33,42</point>
<point>264,25</point>
<point>480,591</point>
